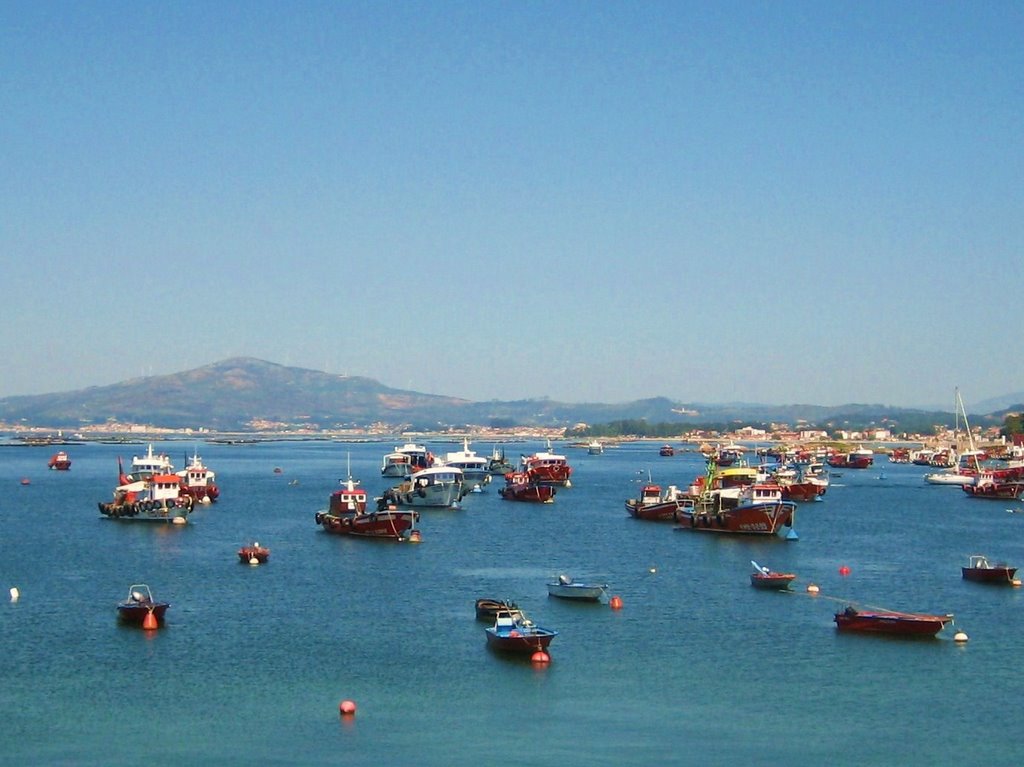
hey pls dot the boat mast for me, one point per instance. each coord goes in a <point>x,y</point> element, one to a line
<point>967,428</point>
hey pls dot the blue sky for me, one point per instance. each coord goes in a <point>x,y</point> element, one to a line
<point>774,202</point>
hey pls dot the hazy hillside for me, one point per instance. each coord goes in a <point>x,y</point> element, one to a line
<point>244,394</point>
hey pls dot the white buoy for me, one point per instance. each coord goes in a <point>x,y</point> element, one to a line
<point>1015,582</point>
<point>812,589</point>
<point>653,570</point>
<point>15,594</point>
<point>253,560</point>
<point>960,637</point>
<point>179,521</point>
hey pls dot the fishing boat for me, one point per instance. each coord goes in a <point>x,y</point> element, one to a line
<point>890,622</point>
<point>666,451</point>
<point>808,484</point>
<point>564,587</point>
<point>145,466</point>
<point>487,609</point>
<point>594,447</point>
<point>253,553</point>
<point>348,514</point>
<point>475,470</point>
<point>155,499</point>
<point>859,458</point>
<point>498,463</point>
<point>547,468</point>
<point>406,460</point>
<point>139,604</point>
<point>655,506</point>
<point>722,507</point>
<point>437,487</point>
<point>520,486</point>
<point>980,570</point>
<point>59,461</point>
<point>514,632</point>
<point>198,481</point>
<point>763,578</point>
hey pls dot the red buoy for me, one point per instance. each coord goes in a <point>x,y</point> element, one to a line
<point>615,603</point>
<point>844,570</point>
<point>347,708</point>
<point>149,622</point>
<point>540,657</point>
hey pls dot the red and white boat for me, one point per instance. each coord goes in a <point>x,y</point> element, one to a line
<point>198,481</point>
<point>253,554</point>
<point>655,506</point>
<point>545,467</point>
<point>520,486</point>
<point>809,484</point>
<point>59,461</point>
<point>724,504</point>
<point>995,486</point>
<point>348,514</point>
<point>980,570</point>
<point>155,499</point>
<point>860,458</point>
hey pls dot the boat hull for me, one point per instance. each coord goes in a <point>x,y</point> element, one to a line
<point>803,491</point>
<point>771,581</point>
<point>136,613</point>
<point>436,496</point>
<point>994,574</point>
<point>891,623</point>
<point>148,511</point>
<point>392,524</point>
<point>757,519</point>
<point>520,640</point>
<point>247,553</point>
<point>528,493</point>
<point>1002,491</point>
<point>579,591</point>
<point>664,511</point>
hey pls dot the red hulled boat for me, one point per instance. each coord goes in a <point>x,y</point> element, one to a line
<point>198,481</point>
<point>139,605</point>
<point>861,458</point>
<point>890,622</point>
<point>253,551</point>
<point>59,461</point>
<point>993,486</point>
<point>728,502</point>
<point>763,578</point>
<point>520,486</point>
<point>514,632</point>
<point>655,506</point>
<point>547,468</point>
<point>347,514</point>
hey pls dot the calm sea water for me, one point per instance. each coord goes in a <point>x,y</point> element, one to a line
<point>696,668</point>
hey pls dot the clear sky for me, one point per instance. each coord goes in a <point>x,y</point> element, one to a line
<point>780,202</point>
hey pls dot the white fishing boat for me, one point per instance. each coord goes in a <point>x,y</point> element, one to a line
<point>438,487</point>
<point>565,587</point>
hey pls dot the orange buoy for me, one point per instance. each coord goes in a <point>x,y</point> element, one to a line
<point>615,603</point>
<point>347,708</point>
<point>414,536</point>
<point>540,657</point>
<point>844,570</point>
<point>149,622</point>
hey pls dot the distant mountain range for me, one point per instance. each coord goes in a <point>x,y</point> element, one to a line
<point>246,394</point>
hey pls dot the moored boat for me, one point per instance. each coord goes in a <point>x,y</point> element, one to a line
<point>514,632</point>
<point>666,451</point>
<point>198,481</point>
<point>145,466</point>
<point>594,447</point>
<point>763,578</point>
<point>859,458</point>
<point>653,505</point>
<point>564,587</point>
<point>890,622</point>
<point>520,486</point>
<point>990,485</point>
<point>487,609</point>
<point>348,514</point>
<point>547,468</point>
<point>139,604</point>
<point>406,460</point>
<point>437,487</point>
<point>725,503</point>
<point>475,471</point>
<point>253,551</point>
<point>59,461</point>
<point>498,463</point>
<point>980,570</point>
<point>155,499</point>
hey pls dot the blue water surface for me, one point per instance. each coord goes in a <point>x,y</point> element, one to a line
<point>696,668</point>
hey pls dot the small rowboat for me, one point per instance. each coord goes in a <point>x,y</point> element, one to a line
<point>488,609</point>
<point>763,578</point>
<point>514,632</point>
